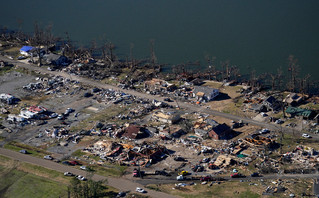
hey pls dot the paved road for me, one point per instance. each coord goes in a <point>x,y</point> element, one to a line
<point>121,184</point>
<point>151,97</point>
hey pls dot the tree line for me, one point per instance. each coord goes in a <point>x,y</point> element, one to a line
<point>291,80</point>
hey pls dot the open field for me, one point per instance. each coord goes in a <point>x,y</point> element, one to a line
<point>28,180</point>
<point>232,189</point>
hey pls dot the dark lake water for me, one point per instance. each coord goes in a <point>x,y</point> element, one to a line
<point>248,33</point>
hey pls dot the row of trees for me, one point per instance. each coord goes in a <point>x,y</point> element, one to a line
<point>88,189</point>
<point>278,80</point>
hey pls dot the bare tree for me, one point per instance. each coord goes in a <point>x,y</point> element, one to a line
<point>293,68</point>
<point>153,56</point>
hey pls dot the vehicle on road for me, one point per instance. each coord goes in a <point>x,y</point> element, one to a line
<point>184,173</point>
<point>83,167</point>
<point>255,174</point>
<point>140,190</point>
<point>68,174</point>
<point>206,178</point>
<point>48,157</point>
<point>305,135</point>
<point>236,175</point>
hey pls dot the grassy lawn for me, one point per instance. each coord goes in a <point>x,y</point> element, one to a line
<point>16,183</point>
<point>107,169</point>
<point>224,189</point>
<point>5,69</point>
<point>34,151</point>
<point>19,179</point>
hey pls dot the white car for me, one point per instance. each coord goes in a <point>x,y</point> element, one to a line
<point>48,157</point>
<point>68,174</point>
<point>305,135</point>
<point>140,190</point>
<point>263,131</point>
<point>83,167</point>
<point>80,177</point>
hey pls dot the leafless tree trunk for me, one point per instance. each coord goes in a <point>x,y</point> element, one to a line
<point>293,68</point>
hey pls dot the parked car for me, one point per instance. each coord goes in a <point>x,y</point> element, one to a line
<point>53,115</point>
<point>74,163</point>
<point>263,131</point>
<point>66,163</point>
<point>68,111</point>
<point>305,135</point>
<point>236,175</point>
<point>206,178</point>
<point>68,174</point>
<point>60,117</point>
<point>80,177</point>
<point>48,157</point>
<point>255,174</point>
<point>121,194</point>
<point>83,167</point>
<point>23,151</point>
<point>140,190</point>
<point>205,160</point>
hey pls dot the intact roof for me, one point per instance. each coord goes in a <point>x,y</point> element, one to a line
<point>26,48</point>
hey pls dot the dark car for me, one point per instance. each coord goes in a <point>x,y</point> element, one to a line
<point>66,163</point>
<point>73,163</point>
<point>121,194</point>
<point>207,178</point>
<point>255,175</point>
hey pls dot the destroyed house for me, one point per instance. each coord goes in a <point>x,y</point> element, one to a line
<point>149,152</point>
<point>294,111</point>
<point>258,140</point>
<point>56,60</point>
<point>7,98</point>
<point>133,132</point>
<point>154,84</point>
<point>205,93</point>
<point>220,132</point>
<point>271,103</point>
<point>37,109</point>
<point>169,117</point>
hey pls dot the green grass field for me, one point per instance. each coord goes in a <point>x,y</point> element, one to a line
<point>15,183</point>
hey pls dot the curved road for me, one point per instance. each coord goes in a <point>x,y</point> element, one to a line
<point>121,184</point>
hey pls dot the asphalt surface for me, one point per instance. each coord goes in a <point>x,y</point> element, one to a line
<point>121,184</point>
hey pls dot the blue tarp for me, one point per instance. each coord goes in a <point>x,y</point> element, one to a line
<point>26,48</point>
